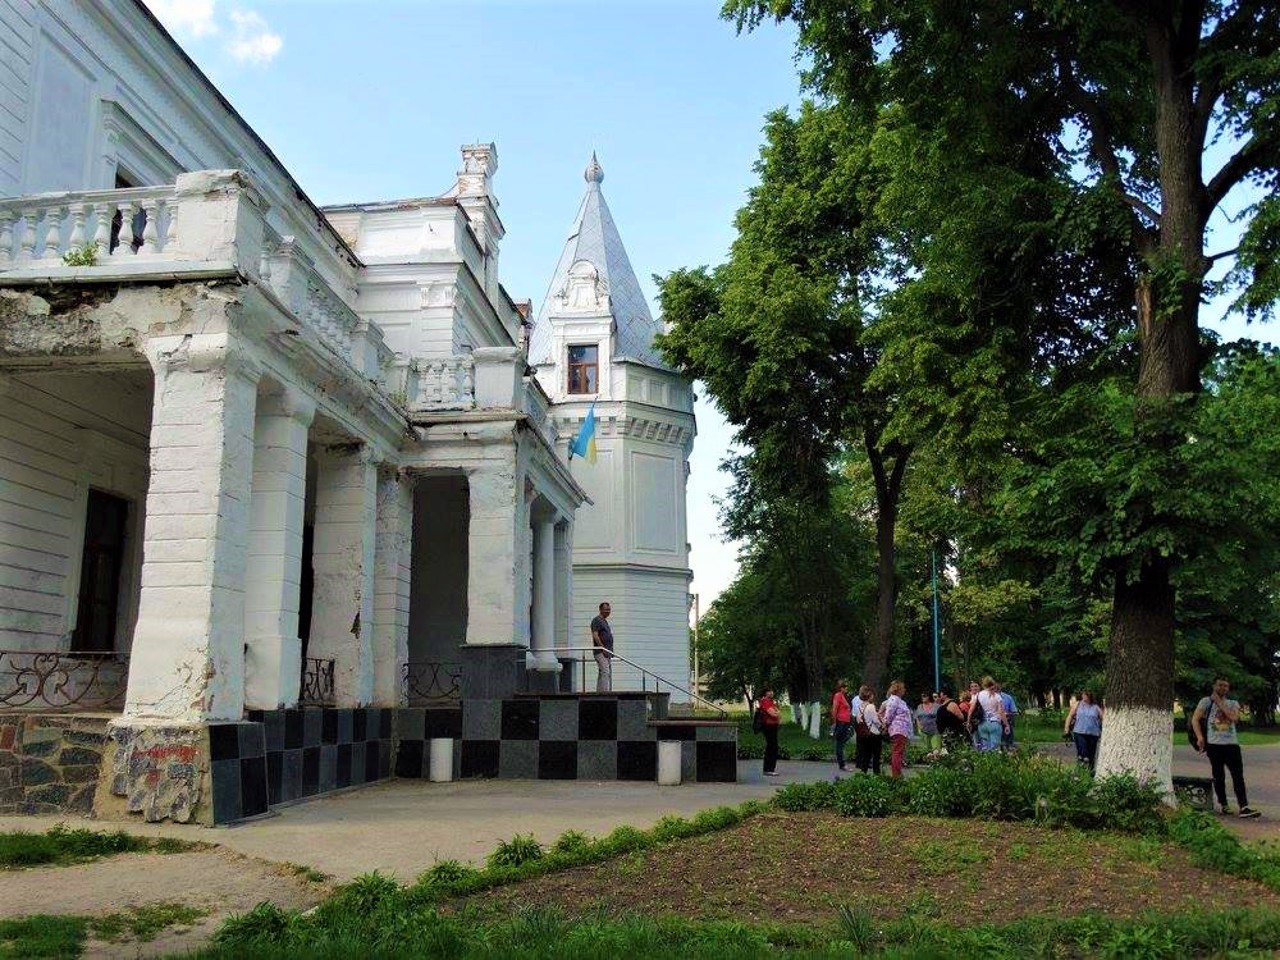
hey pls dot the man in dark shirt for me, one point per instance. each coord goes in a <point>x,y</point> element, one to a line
<point>602,641</point>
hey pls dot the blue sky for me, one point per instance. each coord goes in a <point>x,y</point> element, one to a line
<point>371,101</point>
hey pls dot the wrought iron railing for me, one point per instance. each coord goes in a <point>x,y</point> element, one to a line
<point>317,682</point>
<point>58,680</point>
<point>431,681</point>
<point>649,681</point>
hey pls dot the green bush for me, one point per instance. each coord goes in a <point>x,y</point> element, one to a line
<point>522,848</point>
<point>571,842</point>
<point>866,796</point>
<point>992,786</point>
<point>447,871</point>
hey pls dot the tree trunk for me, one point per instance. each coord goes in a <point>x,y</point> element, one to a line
<point>888,486</point>
<point>1139,720</point>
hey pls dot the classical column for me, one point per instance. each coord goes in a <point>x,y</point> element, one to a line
<point>544,592</point>
<point>187,659</point>
<point>564,585</point>
<point>393,574</point>
<point>494,539</point>
<point>273,652</point>
<point>343,564</point>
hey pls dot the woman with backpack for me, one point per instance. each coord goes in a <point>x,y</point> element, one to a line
<point>867,728</point>
<point>987,718</point>
<point>768,717</point>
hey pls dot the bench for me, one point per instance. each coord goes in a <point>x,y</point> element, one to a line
<point>1197,792</point>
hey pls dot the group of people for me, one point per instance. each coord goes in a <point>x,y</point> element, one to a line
<point>984,716</point>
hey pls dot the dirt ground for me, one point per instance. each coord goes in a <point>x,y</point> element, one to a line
<point>217,881</point>
<point>804,867</point>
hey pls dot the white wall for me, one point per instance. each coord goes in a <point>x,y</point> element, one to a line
<point>60,434</point>
<point>650,621</point>
<point>17,40</point>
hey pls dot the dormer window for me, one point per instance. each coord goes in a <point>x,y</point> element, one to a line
<point>584,369</point>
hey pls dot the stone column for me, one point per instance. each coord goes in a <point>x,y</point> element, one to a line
<point>393,575</point>
<point>273,652</point>
<point>544,592</point>
<point>564,584</point>
<point>492,617</point>
<point>187,660</point>
<point>343,564</point>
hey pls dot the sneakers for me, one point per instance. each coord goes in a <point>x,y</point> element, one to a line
<point>771,773</point>
<point>1248,813</point>
<point>1225,811</point>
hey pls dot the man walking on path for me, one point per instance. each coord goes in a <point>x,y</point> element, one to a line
<point>1222,744</point>
<point>1010,714</point>
<point>602,641</point>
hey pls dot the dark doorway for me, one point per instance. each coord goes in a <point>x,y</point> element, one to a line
<point>101,568</point>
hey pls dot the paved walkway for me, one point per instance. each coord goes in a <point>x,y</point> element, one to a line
<point>403,826</point>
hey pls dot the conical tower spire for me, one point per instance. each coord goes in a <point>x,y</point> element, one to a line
<point>594,238</point>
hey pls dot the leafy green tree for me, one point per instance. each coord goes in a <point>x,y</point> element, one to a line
<point>1137,98</point>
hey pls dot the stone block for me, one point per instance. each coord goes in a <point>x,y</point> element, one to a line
<point>443,722</point>
<point>312,727</point>
<point>717,762</point>
<point>409,759</point>
<point>490,672</point>
<point>597,760</point>
<point>481,719</point>
<point>479,758</point>
<point>328,768</point>
<point>225,775</point>
<point>637,760</point>
<point>43,748</point>
<point>558,720</point>
<point>36,772</point>
<point>688,761</point>
<point>518,760</point>
<point>83,774</point>
<point>598,719</point>
<point>78,756</point>
<point>84,738</point>
<point>291,775</point>
<point>520,719</point>
<point>633,720</point>
<point>253,787</point>
<point>359,766</point>
<point>411,723</point>
<point>54,794</point>
<point>557,760</point>
<point>252,740</point>
<point>718,733</point>
<point>81,801</point>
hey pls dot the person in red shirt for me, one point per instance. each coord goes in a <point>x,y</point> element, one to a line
<point>772,717</point>
<point>841,717</point>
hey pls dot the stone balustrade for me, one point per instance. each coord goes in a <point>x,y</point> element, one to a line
<point>537,407</point>
<point>89,228</point>
<point>445,384</point>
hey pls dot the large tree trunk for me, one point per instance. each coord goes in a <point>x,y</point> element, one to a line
<point>1137,732</point>
<point>888,486</point>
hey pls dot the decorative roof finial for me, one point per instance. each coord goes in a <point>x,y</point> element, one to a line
<point>594,172</point>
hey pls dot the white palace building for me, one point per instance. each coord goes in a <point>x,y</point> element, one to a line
<point>285,496</point>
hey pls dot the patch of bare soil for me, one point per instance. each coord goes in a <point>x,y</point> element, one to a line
<point>215,880</point>
<point>783,867</point>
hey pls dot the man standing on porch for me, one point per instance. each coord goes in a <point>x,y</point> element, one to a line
<point>602,641</point>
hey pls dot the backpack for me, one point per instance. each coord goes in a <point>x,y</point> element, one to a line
<point>976,713</point>
<point>757,721</point>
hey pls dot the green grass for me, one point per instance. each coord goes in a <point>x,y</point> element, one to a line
<point>143,923</point>
<point>61,846</point>
<point>44,936</point>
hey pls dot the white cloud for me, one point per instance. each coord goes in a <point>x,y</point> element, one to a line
<point>253,41</point>
<point>189,17</point>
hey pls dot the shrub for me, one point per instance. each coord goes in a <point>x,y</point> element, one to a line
<point>673,828</point>
<point>447,872</point>
<point>265,923</point>
<point>85,256</point>
<point>866,796</point>
<point>937,792</point>
<point>806,796</point>
<point>571,842</point>
<point>522,848</point>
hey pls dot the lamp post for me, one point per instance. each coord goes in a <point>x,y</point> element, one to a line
<point>937,649</point>
<point>697,675</point>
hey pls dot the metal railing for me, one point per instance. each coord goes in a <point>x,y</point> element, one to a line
<point>647,676</point>
<point>317,682</point>
<point>431,681</point>
<point>62,680</point>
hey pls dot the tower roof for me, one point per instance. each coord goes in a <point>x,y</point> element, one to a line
<point>594,238</point>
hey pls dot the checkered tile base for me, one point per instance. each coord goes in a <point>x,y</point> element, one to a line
<point>563,738</point>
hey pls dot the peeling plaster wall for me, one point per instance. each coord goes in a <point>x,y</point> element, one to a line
<point>61,434</point>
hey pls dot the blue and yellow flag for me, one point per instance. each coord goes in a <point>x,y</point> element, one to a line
<point>584,444</point>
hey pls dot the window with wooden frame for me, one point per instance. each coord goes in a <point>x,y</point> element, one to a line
<point>584,368</point>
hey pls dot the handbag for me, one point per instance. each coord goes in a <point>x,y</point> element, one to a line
<point>757,721</point>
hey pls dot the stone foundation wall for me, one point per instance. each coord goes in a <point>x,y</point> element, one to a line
<point>50,763</point>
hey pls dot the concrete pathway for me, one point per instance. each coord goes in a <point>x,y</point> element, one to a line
<point>402,827</point>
